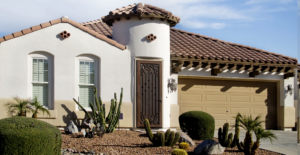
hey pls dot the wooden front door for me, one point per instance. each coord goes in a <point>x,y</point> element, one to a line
<point>149,93</point>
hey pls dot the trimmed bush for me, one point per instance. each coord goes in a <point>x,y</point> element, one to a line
<point>199,125</point>
<point>23,135</point>
<point>179,152</point>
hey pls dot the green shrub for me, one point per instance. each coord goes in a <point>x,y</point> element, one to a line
<point>199,125</point>
<point>179,152</point>
<point>23,135</point>
<point>184,145</point>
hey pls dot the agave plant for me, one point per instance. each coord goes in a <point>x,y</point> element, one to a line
<point>35,106</point>
<point>98,112</point>
<point>17,108</point>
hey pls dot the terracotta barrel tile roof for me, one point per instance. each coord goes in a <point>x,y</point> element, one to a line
<point>187,44</point>
<point>141,10</point>
<point>98,35</point>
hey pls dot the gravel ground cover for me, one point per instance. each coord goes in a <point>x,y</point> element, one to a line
<point>125,142</point>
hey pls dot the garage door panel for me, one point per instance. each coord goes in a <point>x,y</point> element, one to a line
<point>220,122</point>
<point>190,108</point>
<point>216,110</point>
<point>224,99</point>
<point>186,97</point>
<point>240,98</point>
<point>235,110</point>
<point>260,110</point>
<point>214,97</point>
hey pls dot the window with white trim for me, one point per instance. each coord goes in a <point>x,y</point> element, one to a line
<point>40,82</point>
<point>86,82</point>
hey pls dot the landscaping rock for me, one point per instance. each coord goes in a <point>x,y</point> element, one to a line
<point>209,147</point>
<point>216,149</point>
<point>71,128</point>
<point>185,138</point>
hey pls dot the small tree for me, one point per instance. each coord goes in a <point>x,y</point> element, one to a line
<point>17,108</point>
<point>252,126</point>
<point>36,107</point>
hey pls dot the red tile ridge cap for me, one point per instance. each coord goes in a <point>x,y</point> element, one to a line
<point>267,52</point>
<point>64,20</point>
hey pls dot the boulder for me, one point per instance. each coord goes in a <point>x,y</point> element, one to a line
<point>185,138</point>
<point>71,128</point>
<point>209,147</point>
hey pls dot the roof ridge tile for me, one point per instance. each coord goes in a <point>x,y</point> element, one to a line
<point>64,20</point>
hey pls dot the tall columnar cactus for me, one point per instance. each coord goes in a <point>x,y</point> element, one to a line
<point>220,134</point>
<point>223,136</point>
<point>160,138</point>
<point>98,112</point>
<point>229,140</point>
<point>167,135</point>
<point>171,139</point>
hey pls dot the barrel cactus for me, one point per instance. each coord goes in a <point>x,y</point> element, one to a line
<point>179,152</point>
<point>184,146</point>
<point>23,135</point>
<point>160,138</point>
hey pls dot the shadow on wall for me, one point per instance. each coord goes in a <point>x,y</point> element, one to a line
<point>70,116</point>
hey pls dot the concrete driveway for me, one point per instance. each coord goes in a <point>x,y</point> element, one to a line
<point>286,142</point>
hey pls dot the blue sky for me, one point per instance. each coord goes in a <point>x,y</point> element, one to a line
<point>270,25</point>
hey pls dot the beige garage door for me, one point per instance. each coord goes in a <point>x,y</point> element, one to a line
<point>223,99</point>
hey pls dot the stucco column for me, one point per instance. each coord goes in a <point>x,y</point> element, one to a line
<point>174,107</point>
<point>286,109</point>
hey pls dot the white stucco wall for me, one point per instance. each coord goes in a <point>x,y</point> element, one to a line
<point>132,33</point>
<point>114,68</point>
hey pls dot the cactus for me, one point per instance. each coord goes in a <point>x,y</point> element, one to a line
<point>225,133</point>
<point>177,136</point>
<point>148,129</point>
<point>229,140</point>
<point>171,138</point>
<point>179,152</point>
<point>167,135</point>
<point>184,146</point>
<point>160,138</point>
<point>220,136</point>
<point>98,112</point>
<point>224,137</point>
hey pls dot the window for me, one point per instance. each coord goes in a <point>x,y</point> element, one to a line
<point>40,84</point>
<point>86,82</point>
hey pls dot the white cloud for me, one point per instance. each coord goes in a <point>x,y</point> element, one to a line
<point>266,1</point>
<point>200,25</point>
<point>218,25</point>
<point>15,16</point>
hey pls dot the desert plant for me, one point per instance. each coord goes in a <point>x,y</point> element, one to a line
<point>98,113</point>
<point>225,139</point>
<point>179,152</point>
<point>184,146</point>
<point>36,107</point>
<point>252,126</point>
<point>199,125</point>
<point>17,108</point>
<point>24,135</point>
<point>160,138</point>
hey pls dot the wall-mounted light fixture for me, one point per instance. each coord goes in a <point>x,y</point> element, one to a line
<point>289,89</point>
<point>172,84</point>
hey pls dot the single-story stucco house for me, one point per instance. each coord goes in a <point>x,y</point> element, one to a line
<point>164,71</point>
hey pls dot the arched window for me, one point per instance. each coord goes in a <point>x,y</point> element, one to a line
<point>88,75</point>
<point>41,78</point>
